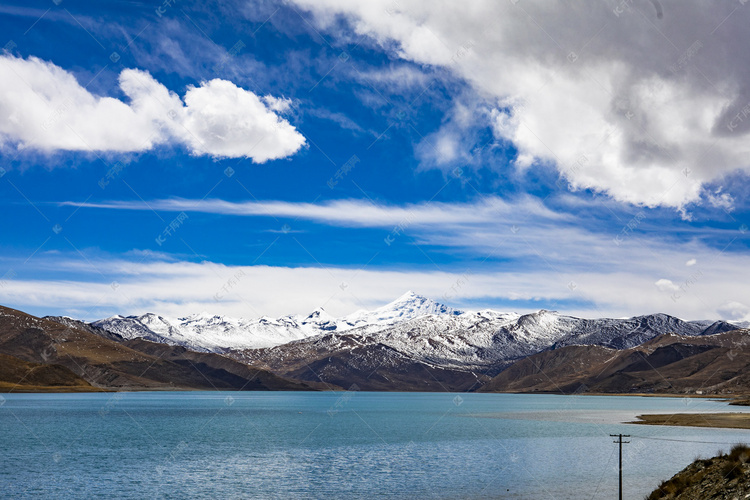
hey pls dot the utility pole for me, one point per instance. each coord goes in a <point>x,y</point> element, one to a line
<point>620,441</point>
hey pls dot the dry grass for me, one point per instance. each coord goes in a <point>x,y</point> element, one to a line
<point>6,387</point>
<point>729,466</point>
<point>715,420</point>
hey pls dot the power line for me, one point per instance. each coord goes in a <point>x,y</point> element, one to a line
<point>678,440</point>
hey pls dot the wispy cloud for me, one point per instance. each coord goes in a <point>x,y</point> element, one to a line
<point>524,234</point>
<point>353,213</point>
<point>514,252</point>
<point>103,287</point>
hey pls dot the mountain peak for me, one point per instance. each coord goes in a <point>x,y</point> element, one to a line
<point>408,306</point>
<point>201,316</point>
<point>412,305</point>
<point>319,315</point>
<point>411,297</point>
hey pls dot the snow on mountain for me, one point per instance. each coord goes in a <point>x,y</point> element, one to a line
<point>321,319</point>
<point>205,332</point>
<point>484,341</point>
<point>415,326</point>
<point>132,327</point>
<point>208,332</point>
<point>408,306</point>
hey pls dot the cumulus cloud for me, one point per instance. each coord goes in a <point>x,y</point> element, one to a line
<point>46,108</point>
<point>645,107</point>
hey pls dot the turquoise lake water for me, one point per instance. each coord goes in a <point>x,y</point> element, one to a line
<point>341,445</point>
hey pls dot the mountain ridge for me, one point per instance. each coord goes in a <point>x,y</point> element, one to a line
<point>412,343</point>
<point>215,333</point>
<point>86,354</point>
<point>666,364</point>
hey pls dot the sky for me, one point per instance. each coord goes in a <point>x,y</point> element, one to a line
<point>252,158</point>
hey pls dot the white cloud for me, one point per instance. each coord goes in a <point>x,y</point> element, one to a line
<point>656,106</point>
<point>44,107</point>
<point>353,213</point>
<point>724,201</point>
<point>278,104</point>
<point>401,77</point>
<point>452,143</point>
<point>339,119</point>
<point>442,147</point>
<point>178,288</point>
<point>516,250</point>
<point>665,285</point>
<point>523,229</point>
<point>735,311</point>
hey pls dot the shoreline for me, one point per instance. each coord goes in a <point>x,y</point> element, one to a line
<point>729,420</point>
<point>736,400</point>
<point>8,388</point>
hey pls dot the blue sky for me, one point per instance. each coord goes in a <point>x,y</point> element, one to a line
<point>266,158</point>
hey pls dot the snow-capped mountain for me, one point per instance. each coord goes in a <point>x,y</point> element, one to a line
<point>413,343</point>
<point>412,325</point>
<point>206,332</point>
<point>407,307</point>
<point>484,340</point>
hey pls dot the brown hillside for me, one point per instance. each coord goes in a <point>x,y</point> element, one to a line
<point>716,364</point>
<point>21,376</point>
<point>106,363</point>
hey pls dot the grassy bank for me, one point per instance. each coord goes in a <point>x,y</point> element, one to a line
<point>715,420</point>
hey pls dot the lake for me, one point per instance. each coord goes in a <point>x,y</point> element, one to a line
<point>342,445</point>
